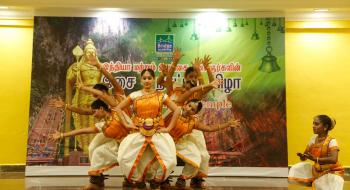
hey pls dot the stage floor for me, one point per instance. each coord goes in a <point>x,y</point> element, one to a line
<point>17,181</point>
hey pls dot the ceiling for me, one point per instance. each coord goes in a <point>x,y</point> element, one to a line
<point>291,9</point>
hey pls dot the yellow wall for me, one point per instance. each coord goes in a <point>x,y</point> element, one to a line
<point>317,76</point>
<point>318,82</point>
<point>16,38</point>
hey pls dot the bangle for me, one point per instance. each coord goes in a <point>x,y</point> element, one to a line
<point>61,136</point>
<point>317,160</point>
<point>65,106</point>
<point>202,87</point>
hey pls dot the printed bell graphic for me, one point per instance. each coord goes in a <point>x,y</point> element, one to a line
<point>168,29</point>
<point>269,62</point>
<point>174,24</point>
<point>194,36</point>
<point>255,36</point>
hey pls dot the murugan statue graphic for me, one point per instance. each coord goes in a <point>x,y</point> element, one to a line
<point>82,71</point>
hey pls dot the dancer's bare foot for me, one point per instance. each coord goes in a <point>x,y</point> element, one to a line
<point>154,185</point>
<point>92,186</point>
<point>197,183</point>
<point>166,184</point>
<point>96,183</point>
<point>127,184</point>
<point>180,183</point>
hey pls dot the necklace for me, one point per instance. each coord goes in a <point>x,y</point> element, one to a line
<point>147,91</point>
<point>320,139</point>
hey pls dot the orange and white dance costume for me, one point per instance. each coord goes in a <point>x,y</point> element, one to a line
<point>103,149</point>
<point>186,149</point>
<point>196,137</point>
<point>140,150</point>
<point>322,176</point>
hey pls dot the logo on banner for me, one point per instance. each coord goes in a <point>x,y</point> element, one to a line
<point>164,46</point>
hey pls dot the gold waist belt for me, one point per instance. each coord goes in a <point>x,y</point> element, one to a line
<point>148,126</point>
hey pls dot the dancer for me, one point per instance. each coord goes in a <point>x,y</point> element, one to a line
<point>191,78</point>
<point>326,172</point>
<point>186,149</point>
<point>104,147</point>
<point>85,72</point>
<point>139,150</point>
<point>192,75</point>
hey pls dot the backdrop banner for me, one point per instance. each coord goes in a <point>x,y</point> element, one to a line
<point>248,54</point>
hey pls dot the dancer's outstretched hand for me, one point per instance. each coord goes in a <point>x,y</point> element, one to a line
<point>216,83</point>
<point>196,64</point>
<point>206,61</point>
<point>79,85</point>
<point>93,61</point>
<point>177,55</point>
<point>57,103</point>
<point>164,68</point>
<point>55,136</point>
